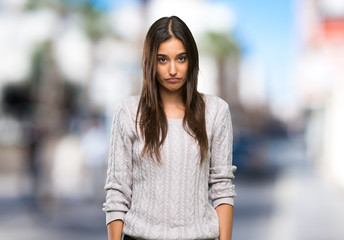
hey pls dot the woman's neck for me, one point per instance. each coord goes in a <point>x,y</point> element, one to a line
<point>173,104</point>
<point>171,98</point>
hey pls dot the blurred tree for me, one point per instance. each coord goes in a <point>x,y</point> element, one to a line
<point>45,89</point>
<point>226,53</point>
<point>92,22</point>
<point>49,90</point>
<point>56,5</point>
<point>43,104</point>
<point>96,26</point>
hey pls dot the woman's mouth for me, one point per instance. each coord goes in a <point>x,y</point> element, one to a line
<point>173,80</point>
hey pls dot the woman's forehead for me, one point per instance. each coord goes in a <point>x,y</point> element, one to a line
<point>171,46</point>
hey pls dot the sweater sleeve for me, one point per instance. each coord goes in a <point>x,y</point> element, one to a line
<point>221,173</point>
<point>118,184</point>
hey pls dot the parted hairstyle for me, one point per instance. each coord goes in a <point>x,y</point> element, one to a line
<point>151,116</point>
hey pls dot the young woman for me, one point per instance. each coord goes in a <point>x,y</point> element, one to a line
<point>171,149</point>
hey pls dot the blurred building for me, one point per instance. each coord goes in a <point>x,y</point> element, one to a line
<point>320,74</point>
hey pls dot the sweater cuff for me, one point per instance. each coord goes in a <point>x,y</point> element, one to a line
<point>112,216</point>
<point>226,200</point>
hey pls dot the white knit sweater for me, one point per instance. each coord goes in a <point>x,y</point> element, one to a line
<point>169,201</point>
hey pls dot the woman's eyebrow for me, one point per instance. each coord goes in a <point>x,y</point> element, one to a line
<point>164,55</point>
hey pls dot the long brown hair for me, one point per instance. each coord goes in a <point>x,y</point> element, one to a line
<point>152,119</point>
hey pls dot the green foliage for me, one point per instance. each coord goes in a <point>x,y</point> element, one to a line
<point>93,22</point>
<point>55,4</point>
<point>33,5</point>
<point>219,45</point>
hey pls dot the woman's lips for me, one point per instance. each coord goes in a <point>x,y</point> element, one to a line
<point>173,80</point>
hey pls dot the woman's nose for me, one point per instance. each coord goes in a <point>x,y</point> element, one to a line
<point>173,69</point>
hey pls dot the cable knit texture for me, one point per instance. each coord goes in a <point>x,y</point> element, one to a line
<point>169,201</point>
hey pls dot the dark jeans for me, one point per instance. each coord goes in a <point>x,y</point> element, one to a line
<point>126,237</point>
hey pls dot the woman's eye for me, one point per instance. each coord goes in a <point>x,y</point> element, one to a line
<point>162,60</point>
<point>182,59</point>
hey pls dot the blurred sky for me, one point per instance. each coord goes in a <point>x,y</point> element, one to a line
<point>268,34</point>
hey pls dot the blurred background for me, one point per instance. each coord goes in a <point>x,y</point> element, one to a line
<point>65,64</point>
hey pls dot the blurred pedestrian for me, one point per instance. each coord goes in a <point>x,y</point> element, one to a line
<point>171,149</point>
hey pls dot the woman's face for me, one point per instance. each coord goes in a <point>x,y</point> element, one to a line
<point>172,65</point>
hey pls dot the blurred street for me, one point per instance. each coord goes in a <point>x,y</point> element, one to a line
<point>72,220</point>
<point>291,202</point>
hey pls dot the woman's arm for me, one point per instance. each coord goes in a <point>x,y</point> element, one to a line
<point>221,172</point>
<point>119,174</point>
<point>114,229</point>
<point>225,215</point>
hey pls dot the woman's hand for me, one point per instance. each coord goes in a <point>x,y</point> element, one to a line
<point>225,214</point>
<point>115,230</point>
